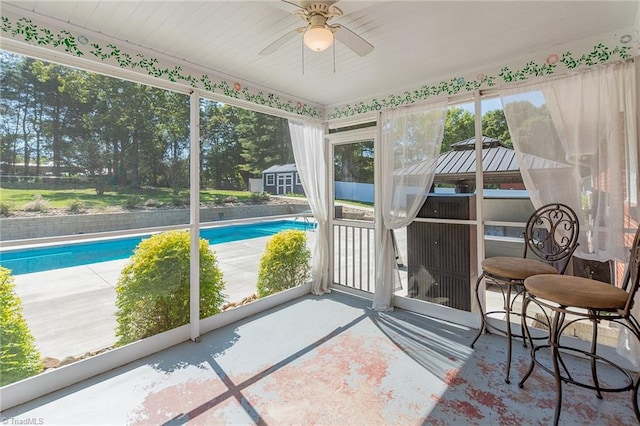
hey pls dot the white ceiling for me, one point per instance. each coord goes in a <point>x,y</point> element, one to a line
<point>415,41</point>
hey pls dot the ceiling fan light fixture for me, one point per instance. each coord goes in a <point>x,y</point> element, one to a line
<point>318,38</point>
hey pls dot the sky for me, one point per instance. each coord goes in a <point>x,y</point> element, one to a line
<point>536,98</point>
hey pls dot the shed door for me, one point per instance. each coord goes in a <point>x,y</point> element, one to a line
<point>285,183</point>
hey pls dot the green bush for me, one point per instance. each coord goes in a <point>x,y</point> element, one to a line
<point>133,201</point>
<point>5,208</point>
<point>178,201</point>
<point>153,288</point>
<point>76,206</point>
<point>285,262</point>
<point>100,185</point>
<point>19,357</point>
<point>260,197</point>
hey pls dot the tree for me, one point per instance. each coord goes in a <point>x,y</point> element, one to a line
<point>15,106</point>
<point>19,357</point>
<point>265,140</point>
<point>153,288</point>
<point>353,162</point>
<point>538,127</point>
<point>171,136</point>
<point>459,126</point>
<point>494,125</point>
<point>64,107</point>
<point>221,148</point>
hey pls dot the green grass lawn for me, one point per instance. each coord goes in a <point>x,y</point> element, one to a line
<point>355,203</point>
<point>64,197</point>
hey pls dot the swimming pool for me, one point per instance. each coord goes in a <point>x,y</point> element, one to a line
<point>28,260</point>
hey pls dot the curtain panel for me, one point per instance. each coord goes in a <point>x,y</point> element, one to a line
<point>408,151</point>
<point>307,140</point>
<point>576,141</point>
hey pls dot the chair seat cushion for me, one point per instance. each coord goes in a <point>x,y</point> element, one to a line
<point>515,268</point>
<point>567,290</point>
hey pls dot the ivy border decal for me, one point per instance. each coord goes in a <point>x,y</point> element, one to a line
<point>24,28</point>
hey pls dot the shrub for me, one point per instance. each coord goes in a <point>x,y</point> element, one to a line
<point>285,262</point>
<point>132,201</point>
<point>76,206</point>
<point>5,209</point>
<point>19,357</point>
<point>178,201</point>
<point>38,204</point>
<point>153,288</point>
<point>152,202</point>
<point>100,185</point>
<point>260,197</point>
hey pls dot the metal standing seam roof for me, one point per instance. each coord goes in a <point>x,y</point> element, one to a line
<point>460,162</point>
<point>462,158</point>
<point>498,163</point>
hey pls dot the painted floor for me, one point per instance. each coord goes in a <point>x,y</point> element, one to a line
<point>326,360</point>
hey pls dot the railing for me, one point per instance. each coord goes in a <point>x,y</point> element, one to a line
<point>354,255</point>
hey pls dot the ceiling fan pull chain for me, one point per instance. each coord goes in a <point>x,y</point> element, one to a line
<point>302,44</point>
<point>334,55</point>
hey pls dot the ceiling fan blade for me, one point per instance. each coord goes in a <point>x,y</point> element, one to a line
<point>352,40</point>
<point>282,40</point>
<point>293,3</point>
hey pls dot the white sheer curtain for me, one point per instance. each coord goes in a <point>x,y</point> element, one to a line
<point>308,144</point>
<point>580,146</point>
<point>576,140</point>
<point>409,148</point>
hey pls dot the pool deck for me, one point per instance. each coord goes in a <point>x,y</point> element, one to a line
<point>70,311</point>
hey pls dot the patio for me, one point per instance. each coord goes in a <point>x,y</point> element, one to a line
<point>325,360</point>
<point>334,358</point>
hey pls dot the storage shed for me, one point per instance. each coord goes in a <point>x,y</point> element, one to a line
<point>282,179</point>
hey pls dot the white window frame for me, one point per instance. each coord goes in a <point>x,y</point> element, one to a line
<point>270,179</point>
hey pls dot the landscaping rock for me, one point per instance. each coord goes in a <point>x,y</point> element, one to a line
<point>50,362</point>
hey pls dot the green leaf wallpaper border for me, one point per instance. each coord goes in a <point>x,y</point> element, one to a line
<point>80,46</point>
<point>553,63</point>
<point>26,30</point>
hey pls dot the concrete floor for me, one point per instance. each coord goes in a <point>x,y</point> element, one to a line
<point>327,360</point>
<point>322,360</point>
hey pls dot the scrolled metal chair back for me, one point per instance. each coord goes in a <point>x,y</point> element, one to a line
<point>552,234</point>
<point>633,272</point>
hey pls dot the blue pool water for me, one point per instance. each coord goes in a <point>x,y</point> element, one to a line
<point>24,261</point>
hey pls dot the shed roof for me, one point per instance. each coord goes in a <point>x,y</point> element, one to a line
<point>281,168</point>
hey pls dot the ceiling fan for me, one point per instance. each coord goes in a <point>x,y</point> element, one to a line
<point>318,34</point>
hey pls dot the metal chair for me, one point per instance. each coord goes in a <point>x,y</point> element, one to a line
<point>573,299</point>
<point>551,235</point>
